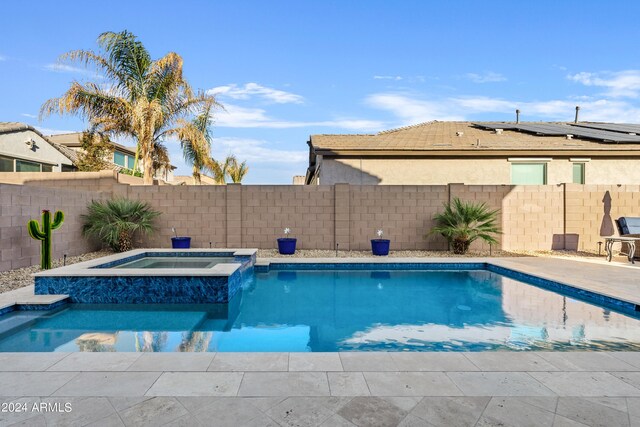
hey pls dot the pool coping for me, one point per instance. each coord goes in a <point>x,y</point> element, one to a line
<point>88,268</point>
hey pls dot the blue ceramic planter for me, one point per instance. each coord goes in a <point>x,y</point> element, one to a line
<point>287,245</point>
<point>181,242</point>
<point>380,247</point>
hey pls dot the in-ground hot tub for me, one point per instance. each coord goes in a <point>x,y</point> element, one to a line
<point>152,276</point>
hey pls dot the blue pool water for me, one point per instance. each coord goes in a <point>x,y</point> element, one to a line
<point>309,310</point>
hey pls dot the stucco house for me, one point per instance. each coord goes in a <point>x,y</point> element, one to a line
<point>493,153</point>
<point>123,157</point>
<point>25,149</point>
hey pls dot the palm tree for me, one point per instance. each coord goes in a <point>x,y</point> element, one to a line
<point>237,171</point>
<point>115,221</point>
<point>140,98</point>
<point>195,140</point>
<point>461,223</point>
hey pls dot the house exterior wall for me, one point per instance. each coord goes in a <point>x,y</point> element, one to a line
<point>12,144</point>
<point>429,171</point>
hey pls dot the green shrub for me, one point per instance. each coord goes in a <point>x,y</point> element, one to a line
<point>115,221</point>
<point>461,223</point>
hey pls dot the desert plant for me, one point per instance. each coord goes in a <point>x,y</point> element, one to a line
<point>115,221</point>
<point>461,223</point>
<point>44,234</point>
<point>140,97</point>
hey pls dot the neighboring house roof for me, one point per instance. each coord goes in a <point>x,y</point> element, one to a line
<point>432,137</point>
<point>6,127</point>
<point>74,140</point>
<point>9,127</point>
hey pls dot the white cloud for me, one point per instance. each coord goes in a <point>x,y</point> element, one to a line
<point>256,151</point>
<point>31,116</point>
<point>47,131</point>
<point>617,84</point>
<point>234,116</point>
<point>488,77</point>
<point>387,77</point>
<point>254,89</point>
<point>64,68</point>
<point>410,110</point>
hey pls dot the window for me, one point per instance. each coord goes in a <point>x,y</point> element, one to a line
<point>6,164</point>
<point>24,166</point>
<point>130,161</point>
<point>578,173</point>
<point>529,173</point>
<point>47,168</point>
<point>119,159</point>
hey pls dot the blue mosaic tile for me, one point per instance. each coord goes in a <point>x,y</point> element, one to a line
<point>38,307</point>
<point>142,289</point>
<point>7,309</point>
<point>377,266</point>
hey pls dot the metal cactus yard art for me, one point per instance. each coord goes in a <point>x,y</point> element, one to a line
<point>44,234</point>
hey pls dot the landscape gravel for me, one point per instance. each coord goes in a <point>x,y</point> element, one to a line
<point>14,279</point>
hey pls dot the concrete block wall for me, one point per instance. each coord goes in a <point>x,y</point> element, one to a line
<point>266,210</point>
<point>19,204</point>
<point>565,216</point>
<point>533,218</point>
<point>404,212</point>
<point>196,211</point>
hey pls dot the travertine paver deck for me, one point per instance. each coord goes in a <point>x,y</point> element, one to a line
<point>573,388</point>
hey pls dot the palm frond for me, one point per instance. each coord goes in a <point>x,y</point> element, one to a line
<point>466,222</point>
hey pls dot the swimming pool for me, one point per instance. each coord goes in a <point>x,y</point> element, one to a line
<point>302,310</point>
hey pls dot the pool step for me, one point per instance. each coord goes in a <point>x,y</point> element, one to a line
<point>40,300</point>
<point>17,321</point>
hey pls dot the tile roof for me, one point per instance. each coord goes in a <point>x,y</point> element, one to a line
<point>74,139</point>
<point>457,136</point>
<point>14,127</point>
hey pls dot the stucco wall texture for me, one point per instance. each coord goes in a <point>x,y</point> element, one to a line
<point>564,216</point>
<point>474,171</point>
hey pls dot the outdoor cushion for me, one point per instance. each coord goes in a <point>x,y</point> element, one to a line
<point>629,225</point>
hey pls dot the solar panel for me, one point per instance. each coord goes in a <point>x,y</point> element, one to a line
<point>615,127</point>
<point>496,125</point>
<point>558,129</point>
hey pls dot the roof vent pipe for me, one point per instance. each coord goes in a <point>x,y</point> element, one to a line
<point>577,110</point>
<point>517,116</point>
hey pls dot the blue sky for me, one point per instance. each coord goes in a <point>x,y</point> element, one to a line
<point>288,69</point>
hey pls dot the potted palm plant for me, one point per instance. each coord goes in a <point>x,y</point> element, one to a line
<point>180,242</point>
<point>287,245</point>
<point>380,246</point>
<point>461,223</point>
